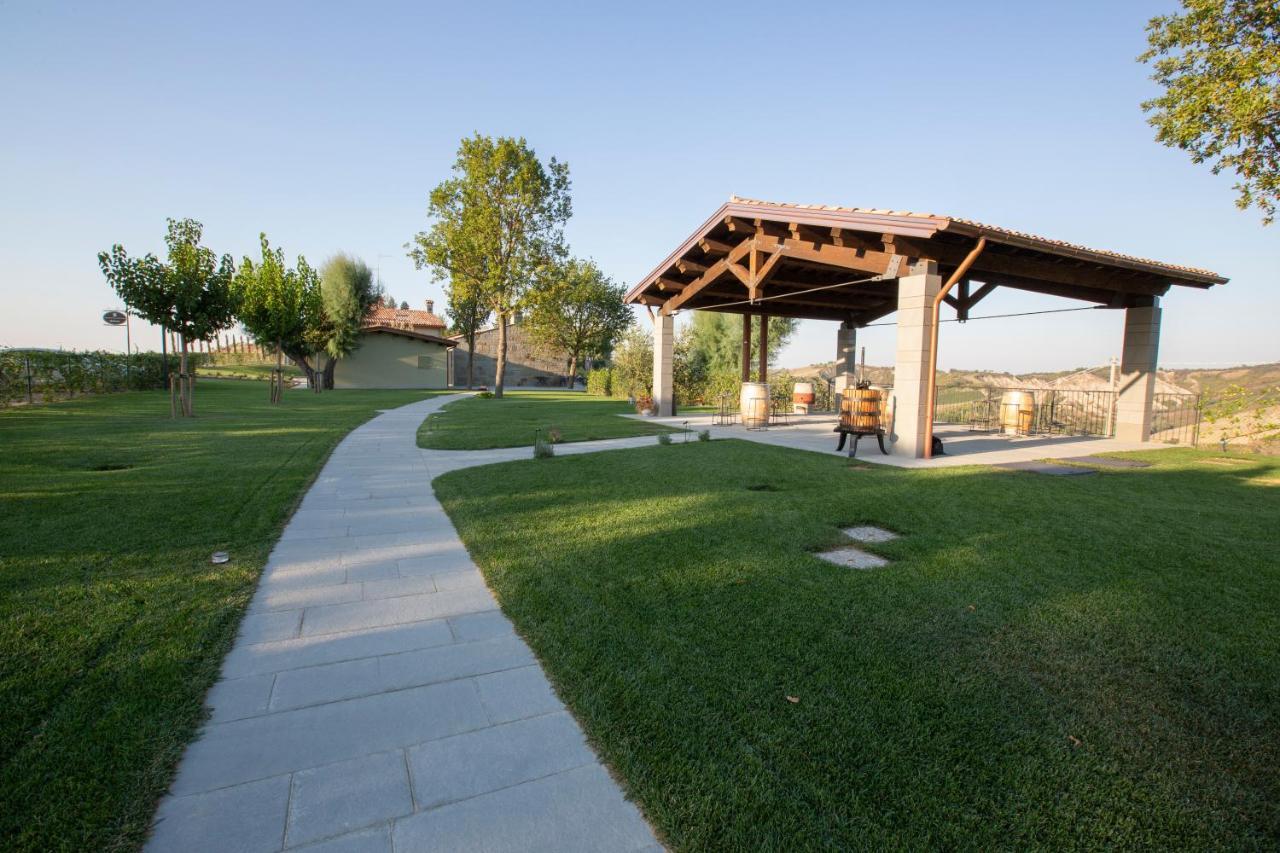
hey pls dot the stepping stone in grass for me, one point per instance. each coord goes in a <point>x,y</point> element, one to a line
<point>853,558</point>
<point>1109,462</point>
<point>868,533</point>
<point>1048,468</point>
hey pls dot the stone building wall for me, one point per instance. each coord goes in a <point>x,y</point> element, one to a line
<point>527,365</point>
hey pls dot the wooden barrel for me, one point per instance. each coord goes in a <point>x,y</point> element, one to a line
<point>755,404</point>
<point>886,410</point>
<point>803,393</point>
<point>860,409</point>
<point>1017,409</point>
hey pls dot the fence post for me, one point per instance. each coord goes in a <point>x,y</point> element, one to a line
<point>1195,431</point>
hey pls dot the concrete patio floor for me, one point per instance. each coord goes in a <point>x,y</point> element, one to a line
<point>814,433</point>
<point>376,698</point>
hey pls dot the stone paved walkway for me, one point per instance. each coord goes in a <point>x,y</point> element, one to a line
<point>377,699</point>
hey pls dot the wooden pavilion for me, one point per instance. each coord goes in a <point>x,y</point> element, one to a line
<point>857,265</point>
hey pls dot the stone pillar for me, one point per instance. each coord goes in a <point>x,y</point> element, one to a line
<point>1138,371</point>
<point>664,345</point>
<point>846,359</point>
<point>911,367</point>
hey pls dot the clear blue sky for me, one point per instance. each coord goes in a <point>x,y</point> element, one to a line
<point>326,125</point>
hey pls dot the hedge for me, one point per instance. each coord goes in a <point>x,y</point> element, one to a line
<point>35,375</point>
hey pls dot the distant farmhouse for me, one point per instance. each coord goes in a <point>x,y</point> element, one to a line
<point>412,319</point>
<point>398,348</point>
<point>528,365</point>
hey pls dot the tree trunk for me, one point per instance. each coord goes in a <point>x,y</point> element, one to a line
<point>277,381</point>
<point>317,376</point>
<point>329,367</point>
<point>573,370</point>
<point>501,371</point>
<point>300,358</point>
<point>184,381</point>
<point>471,359</point>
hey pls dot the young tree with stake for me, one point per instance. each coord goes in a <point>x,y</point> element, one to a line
<point>271,302</point>
<point>498,228</point>
<point>189,295</point>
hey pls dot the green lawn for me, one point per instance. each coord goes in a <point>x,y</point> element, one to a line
<point>1048,662</point>
<point>112,620</point>
<point>245,371</point>
<point>477,423</point>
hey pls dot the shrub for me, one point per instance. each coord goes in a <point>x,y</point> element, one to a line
<point>57,374</point>
<point>724,382</point>
<point>704,435</point>
<point>664,438</point>
<point>485,395</point>
<point>554,436</point>
<point>633,365</point>
<point>600,382</point>
<point>644,403</point>
<point>542,449</point>
<point>781,384</point>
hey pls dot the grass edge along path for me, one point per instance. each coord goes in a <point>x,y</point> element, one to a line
<point>113,622</point>
<point>1047,662</point>
<point>483,423</point>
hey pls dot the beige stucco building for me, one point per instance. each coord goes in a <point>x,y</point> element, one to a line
<point>389,357</point>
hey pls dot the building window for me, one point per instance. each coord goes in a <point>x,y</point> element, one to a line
<point>426,362</point>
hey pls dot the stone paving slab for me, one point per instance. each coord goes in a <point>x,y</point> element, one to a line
<point>1050,469</point>
<point>1110,462</point>
<point>377,696</point>
<point>578,811</point>
<point>853,558</point>
<point>868,533</point>
<point>347,796</point>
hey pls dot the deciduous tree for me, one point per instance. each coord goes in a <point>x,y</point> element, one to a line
<point>467,314</point>
<point>347,295</point>
<point>189,295</point>
<point>717,337</point>
<point>272,301</point>
<point>580,313</point>
<point>1219,65</point>
<point>497,228</point>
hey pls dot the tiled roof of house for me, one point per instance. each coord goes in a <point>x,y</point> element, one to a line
<point>408,333</point>
<point>408,318</point>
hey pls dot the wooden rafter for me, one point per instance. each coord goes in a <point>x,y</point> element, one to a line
<point>964,300</point>
<point>712,273</point>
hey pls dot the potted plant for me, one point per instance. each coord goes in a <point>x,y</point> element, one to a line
<point>644,405</point>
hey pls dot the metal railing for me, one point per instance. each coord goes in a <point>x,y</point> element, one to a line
<point>1053,411</point>
<point>1175,418</point>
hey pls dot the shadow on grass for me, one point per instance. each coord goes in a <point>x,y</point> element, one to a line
<point>1047,661</point>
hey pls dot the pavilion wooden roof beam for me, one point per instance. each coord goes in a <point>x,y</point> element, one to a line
<point>748,245</point>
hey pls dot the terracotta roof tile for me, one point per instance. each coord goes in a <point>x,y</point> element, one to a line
<point>989,230</point>
<point>404,317</point>
<point>408,333</point>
